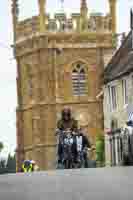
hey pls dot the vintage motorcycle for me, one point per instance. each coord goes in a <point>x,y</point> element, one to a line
<point>82,160</point>
<point>68,157</point>
<point>65,138</point>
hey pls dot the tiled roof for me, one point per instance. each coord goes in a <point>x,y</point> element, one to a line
<point>122,61</point>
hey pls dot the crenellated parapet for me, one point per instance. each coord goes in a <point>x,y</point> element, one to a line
<point>15,14</point>
<point>112,7</point>
<point>84,21</point>
<point>96,22</point>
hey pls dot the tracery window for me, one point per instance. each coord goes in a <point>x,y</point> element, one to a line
<point>79,80</point>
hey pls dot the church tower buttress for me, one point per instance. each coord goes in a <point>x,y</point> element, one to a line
<point>83,15</point>
<point>42,14</point>
<point>15,13</point>
<point>112,6</point>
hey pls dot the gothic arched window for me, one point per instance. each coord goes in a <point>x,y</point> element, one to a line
<point>79,80</point>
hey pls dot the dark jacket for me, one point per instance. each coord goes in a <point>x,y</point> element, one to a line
<point>72,124</point>
<point>85,142</point>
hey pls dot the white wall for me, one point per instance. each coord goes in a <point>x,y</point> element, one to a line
<point>120,114</point>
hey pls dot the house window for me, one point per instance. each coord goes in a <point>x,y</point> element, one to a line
<point>79,81</point>
<point>124,88</point>
<point>112,98</point>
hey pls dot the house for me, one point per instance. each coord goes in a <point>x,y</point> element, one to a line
<point>118,99</point>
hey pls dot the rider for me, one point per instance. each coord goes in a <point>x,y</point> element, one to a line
<point>67,121</point>
<point>27,166</point>
<point>64,123</point>
<point>81,142</point>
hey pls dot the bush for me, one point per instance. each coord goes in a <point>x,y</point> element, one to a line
<point>100,150</point>
<point>8,166</point>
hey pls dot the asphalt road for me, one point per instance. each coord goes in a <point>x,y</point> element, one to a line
<point>85,184</point>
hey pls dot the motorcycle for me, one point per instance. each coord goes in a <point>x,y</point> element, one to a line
<point>68,157</point>
<point>82,160</point>
<point>65,139</point>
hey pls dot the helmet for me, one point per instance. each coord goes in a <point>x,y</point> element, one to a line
<point>27,163</point>
<point>66,112</point>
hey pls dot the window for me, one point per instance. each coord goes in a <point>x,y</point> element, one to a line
<point>124,88</point>
<point>114,124</point>
<point>79,81</point>
<point>112,97</point>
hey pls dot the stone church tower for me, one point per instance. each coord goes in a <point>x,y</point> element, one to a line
<point>60,63</point>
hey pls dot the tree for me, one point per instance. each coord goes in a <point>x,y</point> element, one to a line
<point>3,169</point>
<point>11,164</point>
<point>7,165</point>
<point>2,161</point>
<point>1,146</point>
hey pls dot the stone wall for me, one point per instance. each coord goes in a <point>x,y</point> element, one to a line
<point>60,23</point>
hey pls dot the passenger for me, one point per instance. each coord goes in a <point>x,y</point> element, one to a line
<point>81,144</point>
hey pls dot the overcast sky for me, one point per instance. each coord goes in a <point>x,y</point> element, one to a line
<point>8,100</point>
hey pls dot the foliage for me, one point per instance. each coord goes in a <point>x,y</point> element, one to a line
<point>1,146</point>
<point>11,164</point>
<point>3,167</point>
<point>100,149</point>
<point>8,166</point>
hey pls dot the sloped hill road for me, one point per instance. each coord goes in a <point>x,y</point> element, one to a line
<point>82,184</point>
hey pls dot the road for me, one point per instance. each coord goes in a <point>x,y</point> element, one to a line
<point>86,184</point>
